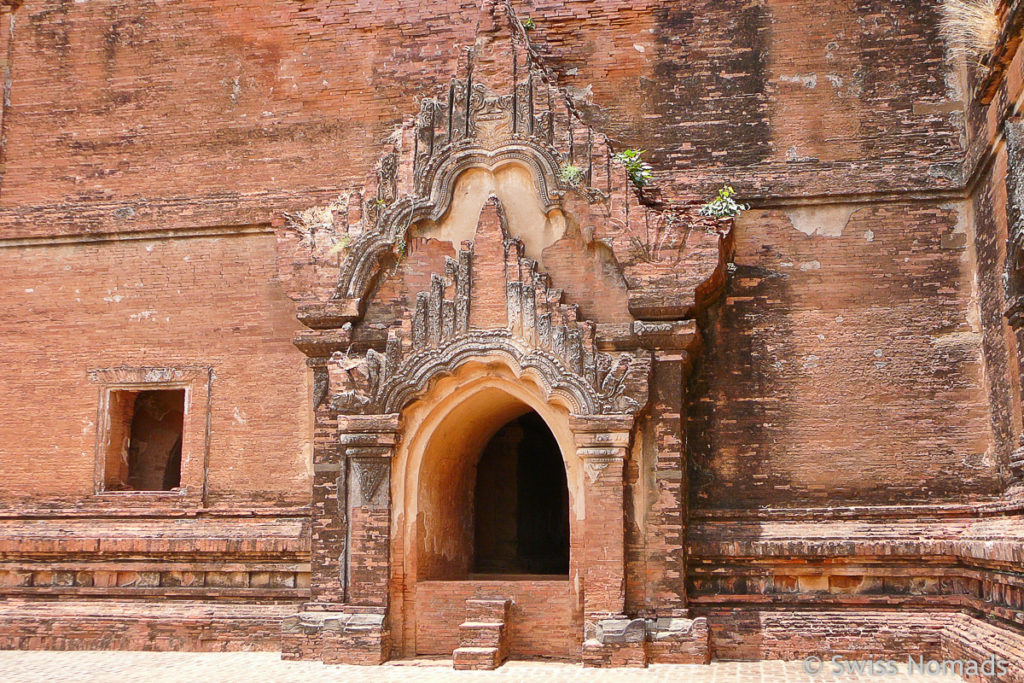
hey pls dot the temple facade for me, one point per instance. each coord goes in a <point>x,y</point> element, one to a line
<point>363,333</point>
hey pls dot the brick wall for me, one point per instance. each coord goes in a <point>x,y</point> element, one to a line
<point>208,302</point>
<point>542,620</point>
<point>253,106</point>
<point>860,356</point>
<point>844,366</point>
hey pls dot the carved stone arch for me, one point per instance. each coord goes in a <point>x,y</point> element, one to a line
<point>438,180</point>
<point>366,257</point>
<point>541,334</point>
<point>559,384</point>
<point>430,486</point>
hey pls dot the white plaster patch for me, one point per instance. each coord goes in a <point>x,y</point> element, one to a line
<point>806,80</point>
<point>963,214</point>
<point>239,416</point>
<point>639,48</point>
<point>957,339</point>
<point>513,186</point>
<point>827,221</point>
<point>869,236</point>
<point>810,265</point>
<point>142,315</point>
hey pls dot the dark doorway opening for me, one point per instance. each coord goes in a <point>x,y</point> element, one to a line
<point>522,502</point>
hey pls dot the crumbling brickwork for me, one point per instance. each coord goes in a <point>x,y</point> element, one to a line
<point>361,239</point>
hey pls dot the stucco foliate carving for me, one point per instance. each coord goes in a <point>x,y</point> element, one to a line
<point>504,108</point>
<point>473,123</point>
<point>491,116</point>
<point>352,379</point>
<point>387,178</point>
<point>321,385</point>
<point>544,337</point>
<point>371,472</point>
<point>594,467</point>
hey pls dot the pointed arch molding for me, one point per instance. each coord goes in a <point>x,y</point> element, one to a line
<point>560,384</point>
<point>544,339</point>
<point>435,186</point>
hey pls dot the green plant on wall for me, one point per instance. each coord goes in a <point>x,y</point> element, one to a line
<point>528,24</point>
<point>723,206</point>
<point>570,174</point>
<point>638,170</point>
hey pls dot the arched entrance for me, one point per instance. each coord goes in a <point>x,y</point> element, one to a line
<point>521,503</point>
<point>488,504</point>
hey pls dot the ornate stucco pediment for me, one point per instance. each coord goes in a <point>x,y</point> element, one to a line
<point>579,247</point>
<point>537,334</point>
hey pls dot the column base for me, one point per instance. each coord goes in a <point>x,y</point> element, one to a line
<point>674,640</point>
<point>336,638</point>
<point>615,642</point>
<point>624,642</point>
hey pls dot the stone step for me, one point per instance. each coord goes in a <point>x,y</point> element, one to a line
<point>483,634</point>
<point>488,610</point>
<point>477,658</point>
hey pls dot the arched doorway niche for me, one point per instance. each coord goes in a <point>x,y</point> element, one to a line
<point>434,481</point>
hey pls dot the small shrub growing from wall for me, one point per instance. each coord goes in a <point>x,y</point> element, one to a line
<point>570,174</point>
<point>638,170</point>
<point>724,205</point>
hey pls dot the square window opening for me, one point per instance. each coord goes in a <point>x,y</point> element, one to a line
<point>143,449</point>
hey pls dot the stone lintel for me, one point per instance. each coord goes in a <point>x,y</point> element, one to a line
<point>369,429</point>
<point>667,335</point>
<point>589,424</point>
<point>328,314</point>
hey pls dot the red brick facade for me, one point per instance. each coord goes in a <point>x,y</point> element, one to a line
<point>363,238</point>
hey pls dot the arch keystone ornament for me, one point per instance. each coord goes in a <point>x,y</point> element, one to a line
<point>462,286</point>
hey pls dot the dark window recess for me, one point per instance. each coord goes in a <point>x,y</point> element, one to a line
<point>522,502</point>
<point>144,444</point>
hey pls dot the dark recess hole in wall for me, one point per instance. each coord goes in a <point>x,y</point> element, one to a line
<point>522,502</point>
<point>144,448</point>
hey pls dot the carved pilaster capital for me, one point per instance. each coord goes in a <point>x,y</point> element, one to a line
<point>371,479</point>
<point>600,424</point>
<point>668,335</point>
